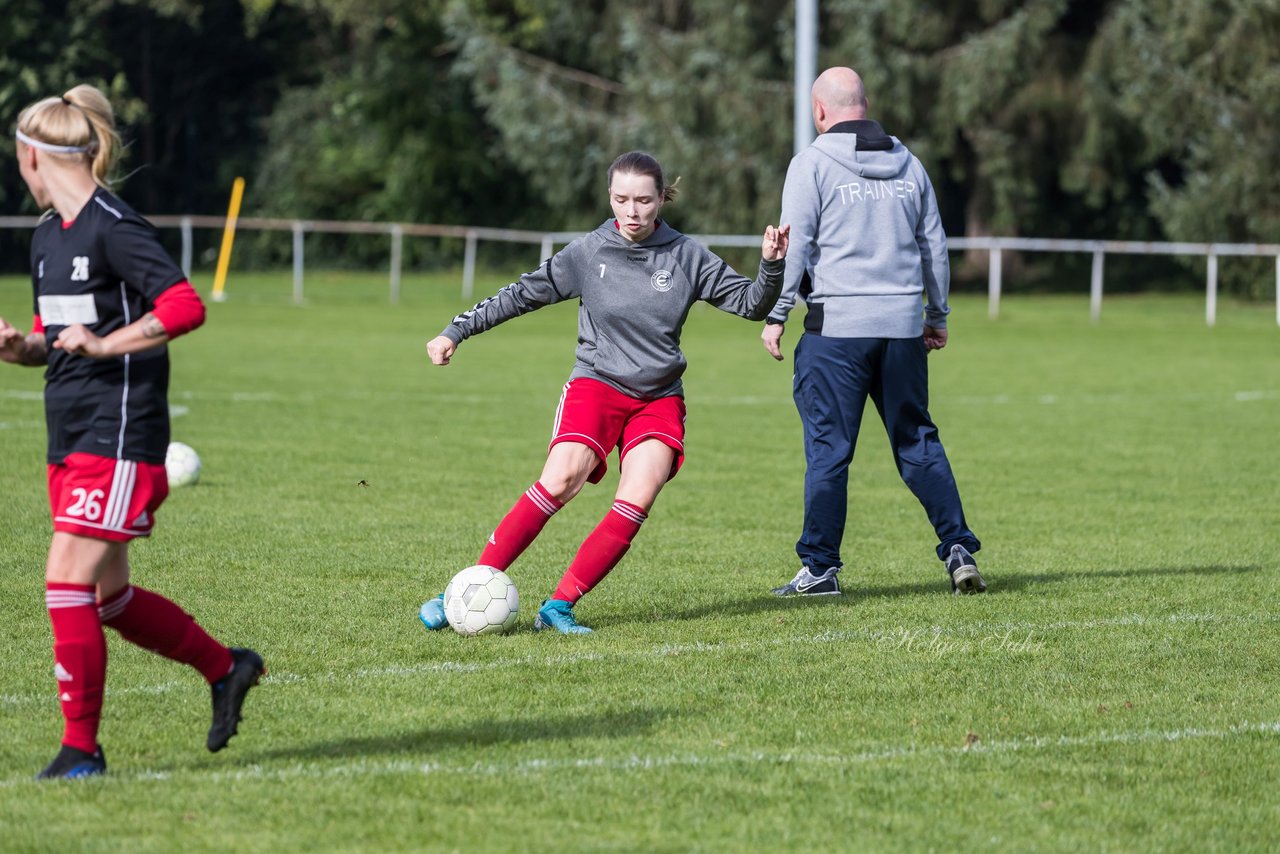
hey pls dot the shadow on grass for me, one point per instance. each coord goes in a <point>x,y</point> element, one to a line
<point>1021,582</point>
<point>855,590</point>
<point>480,733</point>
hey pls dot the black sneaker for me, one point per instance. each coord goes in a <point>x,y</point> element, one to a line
<point>229,693</point>
<point>963,570</point>
<point>71,763</point>
<point>807,584</point>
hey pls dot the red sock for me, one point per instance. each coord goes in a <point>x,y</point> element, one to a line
<point>519,527</point>
<point>80,661</point>
<point>601,551</point>
<point>153,622</point>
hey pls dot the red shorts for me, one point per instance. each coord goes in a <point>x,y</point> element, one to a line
<point>105,498</point>
<point>599,416</point>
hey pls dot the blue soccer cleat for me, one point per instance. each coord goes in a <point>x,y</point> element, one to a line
<point>72,763</point>
<point>558,614</point>
<point>432,614</point>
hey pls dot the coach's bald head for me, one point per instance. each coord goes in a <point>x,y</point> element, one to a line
<point>837,96</point>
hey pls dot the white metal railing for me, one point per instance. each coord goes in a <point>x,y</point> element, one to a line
<point>548,240</point>
<point>1101,248</point>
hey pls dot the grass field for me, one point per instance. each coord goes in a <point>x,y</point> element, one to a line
<point>1115,691</point>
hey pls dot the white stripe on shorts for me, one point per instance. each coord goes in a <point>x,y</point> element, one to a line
<point>555,424</point>
<point>654,434</point>
<point>121,496</point>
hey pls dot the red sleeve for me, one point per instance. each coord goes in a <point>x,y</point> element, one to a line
<point>37,325</point>
<point>179,309</point>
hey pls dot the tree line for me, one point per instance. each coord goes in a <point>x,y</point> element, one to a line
<point>1117,119</point>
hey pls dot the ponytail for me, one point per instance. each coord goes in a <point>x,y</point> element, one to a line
<point>79,125</point>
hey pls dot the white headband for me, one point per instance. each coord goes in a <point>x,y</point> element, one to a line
<point>52,149</point>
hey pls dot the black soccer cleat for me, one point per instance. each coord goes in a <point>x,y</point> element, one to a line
<point>229,693</point>
<point>963,569</point>
<point>72,763</point>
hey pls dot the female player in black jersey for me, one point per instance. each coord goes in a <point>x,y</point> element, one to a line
<point>636,278</point>
<point>107,300</point>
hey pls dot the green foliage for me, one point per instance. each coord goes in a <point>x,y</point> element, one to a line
<point>209,78</point>
<point>45,49</point>
<point>988,95</point>
<point>1176,124</point>
<point>1138,119</point>
<point>387,133</point>
<point>571,86</point>
<point>44,52</point>
<point>1108,694</point>
<point>1129,119</point>
<point>1200,83</point>
<point>188,82</point>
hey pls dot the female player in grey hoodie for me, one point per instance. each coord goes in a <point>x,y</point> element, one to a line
<point>636,278</point>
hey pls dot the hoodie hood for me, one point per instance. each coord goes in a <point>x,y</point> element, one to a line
<point>663,234</point>
<point>864,149</point>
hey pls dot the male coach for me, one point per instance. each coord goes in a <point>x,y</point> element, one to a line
<point>866,245</point>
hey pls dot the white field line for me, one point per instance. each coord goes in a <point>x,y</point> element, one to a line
<point>1001,636</point>
<point>879,754</point>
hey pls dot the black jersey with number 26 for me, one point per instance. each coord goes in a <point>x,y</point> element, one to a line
<point>104,270</point>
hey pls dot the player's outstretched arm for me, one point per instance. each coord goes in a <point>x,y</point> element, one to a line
<point>19,349</point>
<point>441,350</point>
<point>725,289</point>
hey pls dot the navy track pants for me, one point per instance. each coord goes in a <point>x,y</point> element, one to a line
<point>833,378</point>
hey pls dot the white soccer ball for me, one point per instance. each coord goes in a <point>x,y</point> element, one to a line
<point>480,600</point>
<point>181,464</point>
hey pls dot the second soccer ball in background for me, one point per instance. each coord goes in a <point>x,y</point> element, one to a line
<point>181,464</point>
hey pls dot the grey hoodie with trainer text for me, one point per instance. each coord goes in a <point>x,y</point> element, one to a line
<point>635,298</point>
<point>865,229</point>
